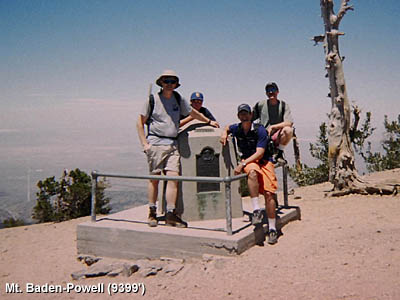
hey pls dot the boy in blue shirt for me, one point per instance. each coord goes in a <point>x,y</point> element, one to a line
<point>252,140</point>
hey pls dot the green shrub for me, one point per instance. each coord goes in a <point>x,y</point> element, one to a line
<point>11,222</point>
<point>68,198</point>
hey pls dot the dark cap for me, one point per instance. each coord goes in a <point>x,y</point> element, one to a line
<point>197,96</point>
<point>244,107</point>
<point>271,84</point>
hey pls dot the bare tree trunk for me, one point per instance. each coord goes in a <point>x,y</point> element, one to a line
<point>342,170</point>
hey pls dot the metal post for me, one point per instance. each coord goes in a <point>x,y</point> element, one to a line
<point>228,206</point>
<point>285,185</point>
<point>94,187</point>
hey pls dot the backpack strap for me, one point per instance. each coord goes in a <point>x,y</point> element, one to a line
<point>282,108</point>
<point>151,105</point>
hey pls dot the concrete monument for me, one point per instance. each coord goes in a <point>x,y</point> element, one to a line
<point>203,155</point>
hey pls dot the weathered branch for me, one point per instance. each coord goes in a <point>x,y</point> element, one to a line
<point>353,129</point>
<point>367,189</point>
<point>342,11</point>
<point>335,32</point>
<point>318,39</point>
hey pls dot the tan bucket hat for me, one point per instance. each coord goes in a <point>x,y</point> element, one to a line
<point>167,73</point>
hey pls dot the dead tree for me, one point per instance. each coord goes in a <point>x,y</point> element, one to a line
<point>342,171</point>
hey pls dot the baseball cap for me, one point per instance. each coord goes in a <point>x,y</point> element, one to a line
<point>196,96</point>
<point>244,107</point>
<point>271,84</point>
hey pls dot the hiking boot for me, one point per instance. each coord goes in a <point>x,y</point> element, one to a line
<point>257,217</point>
<point>272,237</point>
<point>171,219</point>
<point>152,219</point>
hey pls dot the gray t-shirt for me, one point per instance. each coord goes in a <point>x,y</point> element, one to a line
<point>165,119</point>
<point>262,113</point>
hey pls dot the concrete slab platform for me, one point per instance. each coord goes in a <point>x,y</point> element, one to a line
<point>126,235</point>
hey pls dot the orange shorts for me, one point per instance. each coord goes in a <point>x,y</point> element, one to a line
<point>266,176</point>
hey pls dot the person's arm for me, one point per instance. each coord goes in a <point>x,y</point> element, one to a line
<point>224,135</point>
<point>208,114</point>
<point>186,120</point>
<point>199,116</point>
<point>256,156</point>
<point>140,130</point>
<point>276,127</point>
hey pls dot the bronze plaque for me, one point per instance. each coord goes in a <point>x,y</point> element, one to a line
<point>207,164</point>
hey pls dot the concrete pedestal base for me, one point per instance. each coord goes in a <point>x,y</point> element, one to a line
<point>126,235</point>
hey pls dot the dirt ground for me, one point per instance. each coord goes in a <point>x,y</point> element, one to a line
<point>343,248</point>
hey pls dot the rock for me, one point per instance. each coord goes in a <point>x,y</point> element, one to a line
<point>146,272</point>
<point>150,269</point>
<point>88,260</point>
<point>175,260</point>
<point>173,269</point>
<point>116,270</point>
<point>99,270</point>
<point>78,275</point>
<point>129,269</point>
<point>95,271</point>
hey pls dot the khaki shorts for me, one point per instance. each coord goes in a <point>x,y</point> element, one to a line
<point>163,158</point>
<point>266,176</point>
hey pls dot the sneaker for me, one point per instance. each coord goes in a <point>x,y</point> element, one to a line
<point>171,219</point>
<point>152,219</point>
<point>272,237</point>
<point>257,217</point>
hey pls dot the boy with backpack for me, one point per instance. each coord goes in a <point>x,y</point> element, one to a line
<point>161,113</point>
<point>252,140</point>
<point>275,116</point>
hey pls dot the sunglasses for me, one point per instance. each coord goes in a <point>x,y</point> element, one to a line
<point>271,90</point>
<point>170,81</point>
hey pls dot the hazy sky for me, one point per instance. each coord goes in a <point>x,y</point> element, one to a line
<point>74,74</point>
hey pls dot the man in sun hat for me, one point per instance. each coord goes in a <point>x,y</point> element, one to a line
<point>252,140</point>
<point>276,117</point>
<point>196,101</point>
<point>160,145</point>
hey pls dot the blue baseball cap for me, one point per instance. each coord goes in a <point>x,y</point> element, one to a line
<point>196,96</point>
<point>244,107</point>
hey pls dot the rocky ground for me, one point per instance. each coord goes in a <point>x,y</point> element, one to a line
<point>343,248</point>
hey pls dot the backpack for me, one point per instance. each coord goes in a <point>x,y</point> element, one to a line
<point>259,107</point>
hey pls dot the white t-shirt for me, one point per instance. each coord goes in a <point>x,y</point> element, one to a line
<point>165,119</point>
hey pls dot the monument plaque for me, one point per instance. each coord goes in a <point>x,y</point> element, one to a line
<point>207,164</point>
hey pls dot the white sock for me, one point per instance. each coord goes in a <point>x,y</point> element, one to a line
<point>170,207</point>
<point>254,201</point>
<point>272,224</point>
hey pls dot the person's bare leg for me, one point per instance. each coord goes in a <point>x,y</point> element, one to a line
<point>172,219</point>
<point>271,214</point>
<point>286,135</point>
<point>152,193</point>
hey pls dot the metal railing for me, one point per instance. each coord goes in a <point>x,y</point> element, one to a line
<point>226,180</point>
